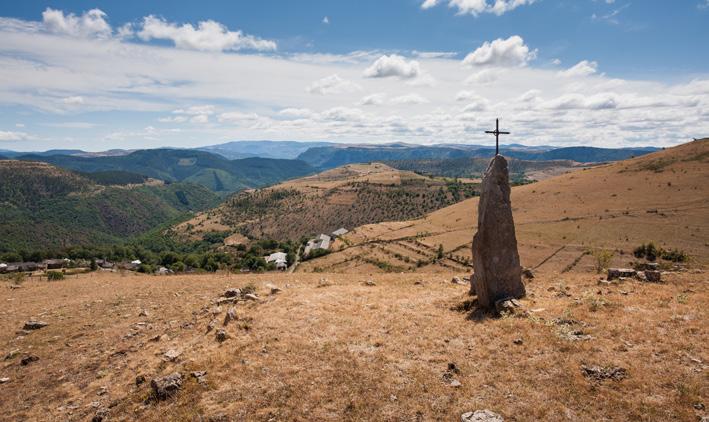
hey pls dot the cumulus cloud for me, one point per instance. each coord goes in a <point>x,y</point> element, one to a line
<point>409,99</point>
<point>205,109</point>
<point>13,136</point>
<point>477,7</point>
<point>484,77</point>
<point>501,52</point>
<point>90,24</point>
<point>207,36</point>
<point>332,84</point>
<point>582,68</point>
<point>373,99</point>
<point>393,65</point>
<point>296,112</point>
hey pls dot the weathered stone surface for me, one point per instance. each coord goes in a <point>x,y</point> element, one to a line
<point>29,359</point>
<point>614,273</point>
<point>230,316</point>
<point>166,387</point>
<point>221,335</point>
<point>653,276</point>
<point>481,416</point>
<point>232,293</point>
<point>34,325</point>
<point>498,274</point>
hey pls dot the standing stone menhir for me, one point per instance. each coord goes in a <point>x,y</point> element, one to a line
<point>498,274</point>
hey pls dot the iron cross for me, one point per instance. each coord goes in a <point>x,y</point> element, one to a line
<point>497,134</point>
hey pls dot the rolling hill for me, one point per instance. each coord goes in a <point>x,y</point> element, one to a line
<point>347,197</point>
<point>660,197</point>
<point>46,207</point>
<point>338,155</point>
<point>172,165</point>
<point>264,149</point>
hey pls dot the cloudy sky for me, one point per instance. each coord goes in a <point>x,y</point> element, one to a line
<point>137,74</point>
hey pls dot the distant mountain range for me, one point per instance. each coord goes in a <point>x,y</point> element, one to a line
<point>264,149</point>
<point>213,171</point>
<point>335,156</point>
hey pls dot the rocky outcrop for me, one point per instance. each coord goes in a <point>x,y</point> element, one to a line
<point>498,274</point>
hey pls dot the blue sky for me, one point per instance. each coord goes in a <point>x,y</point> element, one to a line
<point>130,74</point>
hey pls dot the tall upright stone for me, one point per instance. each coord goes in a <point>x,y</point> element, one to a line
<point>498,274</point>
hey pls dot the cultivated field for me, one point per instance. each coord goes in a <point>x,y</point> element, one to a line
<point>331,347</point>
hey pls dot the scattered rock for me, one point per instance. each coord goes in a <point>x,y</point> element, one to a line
<point>481,416</point>
<point>507,306</point>
<point>221,335</point>
<point>172,355</point>
<point>29,359</point>
<point>370,283</point>
<point>598,373</point>
<point>102,391</point>
<point>449,375</point>
<point>614,273</point>
<point>640,275</point>
<point>232,293</point>
<point>250,296</point>
<point>200,376</point>
<point>418,282</point>
<point>167,386</point>
<point>230,316</point>
<point>4,380</point>
<point>517,341</point>
<point>143,313</point>
<point>275,290</point>
<point>498,273</point>
<point>12,354</point>
<point>457,280</point>
<point>528,273</point>
<point>223,300</point>
<point>455,384</point>
<point>140,380</point>
<point>212,324</point>
<point>100,416</point>
<point>653,276</point>
<point>34,325</point>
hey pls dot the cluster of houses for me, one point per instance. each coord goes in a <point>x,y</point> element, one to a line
<point>59,264</point>
<point>323,241</point>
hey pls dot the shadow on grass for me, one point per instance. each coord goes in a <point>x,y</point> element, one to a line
<point>473,310</point>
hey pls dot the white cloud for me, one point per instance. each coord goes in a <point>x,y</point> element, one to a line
<point>582,68</point>
<point>200,118</point>
<point>20,125</point>
<point>393,65</point>
<point>477,7</point>
<point>207,36</point>
<point>703,5</point>
<point>556,62</point>
<point>434,54</point>
<point>326,20</point>
<point>510,52</point>
<point>484,77</point>
<point>91,23</point>
<point>236,117</point>
<point>13,136</point>
<point>75,100</point>
<point>196,110</point>
<point>296,112</point>
<point>409,99</point>
<point>373,99</point>
<point>332,84</point>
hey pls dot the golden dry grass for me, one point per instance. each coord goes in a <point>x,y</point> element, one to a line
<point>661,197</point>
<point>342,350</point>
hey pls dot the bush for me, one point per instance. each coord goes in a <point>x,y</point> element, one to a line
<point>146,268</point>
<point>55,275</point>
<point>178,267</point>
<point>603,259</point>
<point>674,255</point>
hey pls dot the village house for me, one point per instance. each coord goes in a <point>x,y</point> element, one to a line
<point>320,242</point>
<point>280,259</point>
<point>340,232</point>
<point>55,264</point>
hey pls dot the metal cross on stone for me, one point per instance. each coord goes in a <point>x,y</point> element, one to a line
<point>497,134</point>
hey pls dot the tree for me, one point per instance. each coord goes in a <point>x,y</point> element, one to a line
<point>440,253</point>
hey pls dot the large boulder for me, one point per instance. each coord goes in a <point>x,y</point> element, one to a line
<point>167,386</point>
<point>498,274</point>
<point>481,416</point>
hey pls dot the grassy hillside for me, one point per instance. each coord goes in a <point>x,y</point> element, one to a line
<point>661,197</point>
<point>344,197</point>
<point>335,155</point>
<point>475,167</point>
<point>46,207</point>
<point>210,170</point>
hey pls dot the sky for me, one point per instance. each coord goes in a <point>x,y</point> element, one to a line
<point>99,75</point>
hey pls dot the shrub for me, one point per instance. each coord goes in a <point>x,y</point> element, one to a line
<point>602,259</point>
<point>674,255</point>
<point>55,275</point>
<point>17,278</point>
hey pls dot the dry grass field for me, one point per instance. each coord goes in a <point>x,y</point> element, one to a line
<point>661,197</point>
<point>331,347</point>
